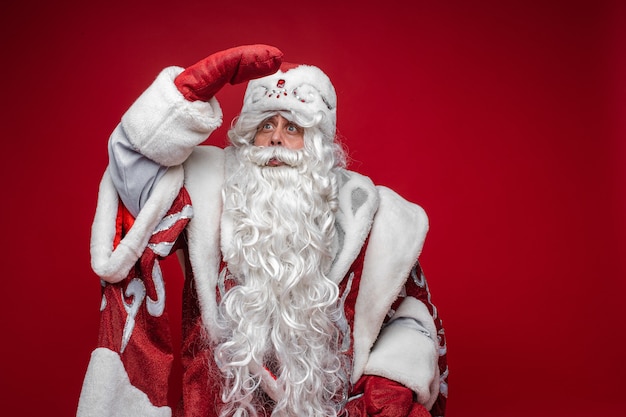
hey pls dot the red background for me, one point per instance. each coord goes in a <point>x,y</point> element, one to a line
<point>503,119</point>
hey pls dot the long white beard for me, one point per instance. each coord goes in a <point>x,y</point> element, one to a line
<point>284,313</point>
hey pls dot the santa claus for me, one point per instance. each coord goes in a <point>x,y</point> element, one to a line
<point>303,293</point>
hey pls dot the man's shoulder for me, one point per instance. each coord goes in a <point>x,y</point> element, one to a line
<point>401,209</point>
<point>359,185</point>
<point>356,191</point>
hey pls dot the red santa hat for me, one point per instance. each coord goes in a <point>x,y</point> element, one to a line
<point>303,89</point>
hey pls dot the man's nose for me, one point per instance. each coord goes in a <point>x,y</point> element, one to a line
<point>277,138</point>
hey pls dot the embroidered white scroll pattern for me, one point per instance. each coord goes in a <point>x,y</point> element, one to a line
<point>164,248</point>
<point>103,302</point>
<point>136,288</point>
<point>156,307</point>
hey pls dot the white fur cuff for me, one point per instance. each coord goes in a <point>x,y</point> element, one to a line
<point>408,356</point>
<point>113,264</point>
<point>164,126</point>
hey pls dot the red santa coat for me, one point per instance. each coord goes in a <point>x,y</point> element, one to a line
<point>380,237</point>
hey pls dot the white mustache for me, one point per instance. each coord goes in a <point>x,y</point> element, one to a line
<point>262,156</point>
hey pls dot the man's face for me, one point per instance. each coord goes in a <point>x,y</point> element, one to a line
<point>278,131</point>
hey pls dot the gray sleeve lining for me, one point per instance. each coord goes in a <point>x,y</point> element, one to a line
<point>133,174</point>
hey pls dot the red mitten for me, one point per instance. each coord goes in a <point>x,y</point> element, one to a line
<point>383,397</point>
<point>204,79</point>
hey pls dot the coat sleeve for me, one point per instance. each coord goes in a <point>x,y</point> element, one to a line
<point>129,371</point>
<point>159,130</point>
<point>397,332</point>
<point>411,347</point>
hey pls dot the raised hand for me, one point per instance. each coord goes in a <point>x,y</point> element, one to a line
<point>204,79</point>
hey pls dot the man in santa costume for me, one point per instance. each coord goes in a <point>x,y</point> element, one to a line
<point>303,293</point>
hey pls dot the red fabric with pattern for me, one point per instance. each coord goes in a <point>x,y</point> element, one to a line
<point>201,378</point>
<point>350,300</point>
<point>382,397</point>
<point>146,351</point>
<point>417,287</point>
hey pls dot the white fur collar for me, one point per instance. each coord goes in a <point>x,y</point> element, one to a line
<point>358,202</point>
<point>396,240</point>
<point>204,177</point>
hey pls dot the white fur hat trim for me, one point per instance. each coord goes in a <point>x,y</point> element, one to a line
<point>304,89</point>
